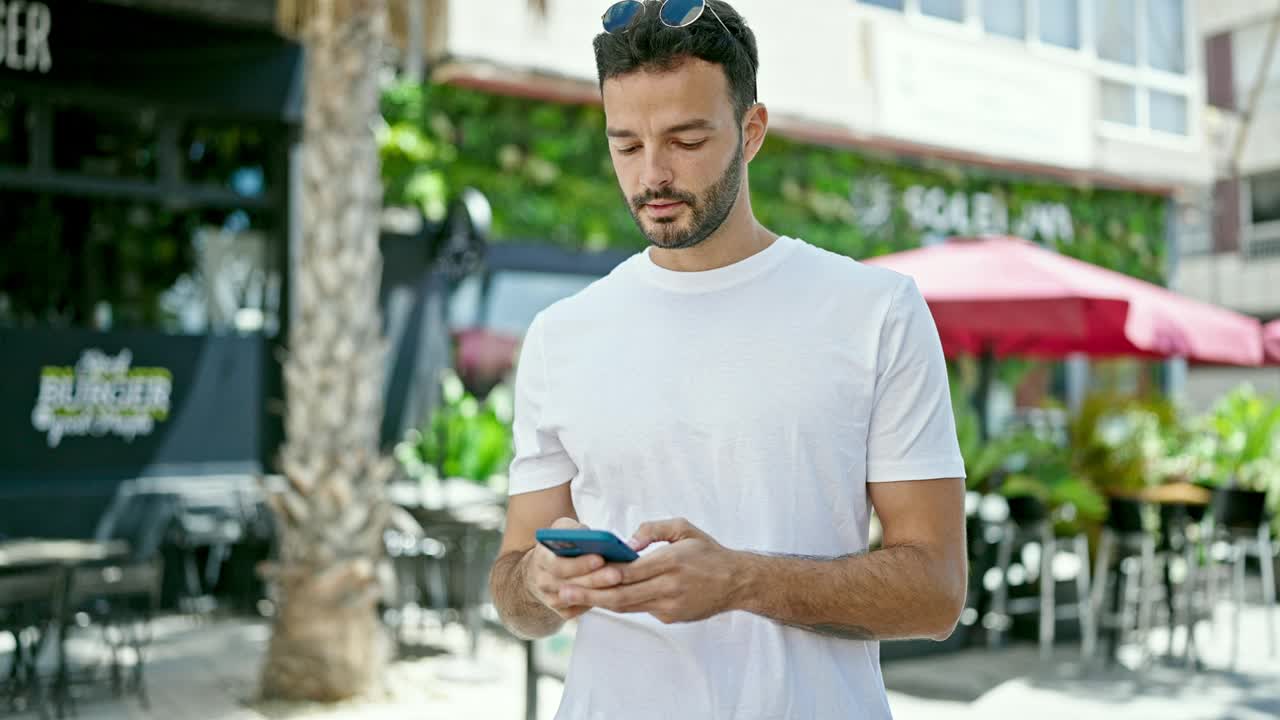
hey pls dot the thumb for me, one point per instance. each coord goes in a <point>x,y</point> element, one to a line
<point>663,531</point>
<point>566,523</point>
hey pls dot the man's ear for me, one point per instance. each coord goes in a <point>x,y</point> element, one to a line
<point>755,126</point>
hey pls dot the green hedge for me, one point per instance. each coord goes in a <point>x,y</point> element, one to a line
<point>545,167</point>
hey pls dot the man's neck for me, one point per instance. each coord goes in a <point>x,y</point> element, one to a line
<point>738,239</point>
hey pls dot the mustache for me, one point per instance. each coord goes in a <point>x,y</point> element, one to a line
<point>643,199</point>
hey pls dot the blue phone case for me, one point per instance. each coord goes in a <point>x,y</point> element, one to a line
<point>572,543</point>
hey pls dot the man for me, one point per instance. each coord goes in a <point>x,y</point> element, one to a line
<point>736,403</point>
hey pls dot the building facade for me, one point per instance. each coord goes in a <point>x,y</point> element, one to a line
<point>145,165</point>
<point>1106,92</point>
<point>1080,124</point>
<point>1235,259</point>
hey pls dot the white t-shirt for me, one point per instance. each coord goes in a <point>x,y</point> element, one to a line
<point>756,401</point>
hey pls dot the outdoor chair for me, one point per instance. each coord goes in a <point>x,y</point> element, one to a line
<point>122,599</point>
<point>1127,552</point>
<point>1030,522</point>
<point>29,603</point>
<point>419,573</point>
<point>119,596</point>
<point>1235,532</point>
<point>1182,540</point>
<point>204,534</point>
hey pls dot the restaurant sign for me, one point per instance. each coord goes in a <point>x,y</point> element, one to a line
<point>943,211</point>
<point>101,395</point>
<point>24,36</point>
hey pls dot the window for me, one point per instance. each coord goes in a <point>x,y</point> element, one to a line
<point>1005,17</point>
<point>112,144</point>
<point>1166,38</point>
<point>14,141</point>
<point>1117,30</point>
<point>1119,103</point>
<point>99,263</point>
<point>227,155</point>
<point>1138,41</point>
<point>946,9</point>
<point>514,297</point>
<point>1168,112</point>
<point>1264,198</point>
<point>1060,23</point>
<point>891,4</point>
<point>1248,44</point>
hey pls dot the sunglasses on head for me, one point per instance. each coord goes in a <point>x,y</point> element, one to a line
<point>673,13</point>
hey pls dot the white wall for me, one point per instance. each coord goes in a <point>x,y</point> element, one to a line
<point>949,89</point>
<point>1187,161</point>
<point>507,33</point>
<point>1220,15</point>
<point>881,74</point>
<point>1262,147</point>
<point>1206,385</point>
<point>1245,284</point>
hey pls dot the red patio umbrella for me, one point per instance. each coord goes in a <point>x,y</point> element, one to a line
<point>1271,340</point>
<point>999,296</point>
<point>1011,297</point>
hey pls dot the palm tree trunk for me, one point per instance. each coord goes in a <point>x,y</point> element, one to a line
<point>327,644</point>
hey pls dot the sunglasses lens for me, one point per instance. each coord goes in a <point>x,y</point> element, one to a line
<point>678,13</point>
<point>619,16</point>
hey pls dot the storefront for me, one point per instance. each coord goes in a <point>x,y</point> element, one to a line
<point>546,170</point>
<point>144,217</point>
<point>544,165</point>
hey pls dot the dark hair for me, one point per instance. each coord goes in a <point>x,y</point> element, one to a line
<point>648,45</point>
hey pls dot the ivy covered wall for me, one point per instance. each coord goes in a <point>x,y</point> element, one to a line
<point>545,167</point>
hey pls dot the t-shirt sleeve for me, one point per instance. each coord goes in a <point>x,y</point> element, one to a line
<point>540,460</point>
<point>912,434</point>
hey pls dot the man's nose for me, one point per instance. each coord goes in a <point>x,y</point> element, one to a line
<point>657,173</point>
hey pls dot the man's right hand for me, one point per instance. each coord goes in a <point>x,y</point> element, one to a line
<point>545,573</point>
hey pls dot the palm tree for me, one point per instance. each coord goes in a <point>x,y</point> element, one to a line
<point>327,644</point>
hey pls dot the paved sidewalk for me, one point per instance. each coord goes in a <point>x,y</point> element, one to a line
<point>1016,683</point>
<point>208,671</point>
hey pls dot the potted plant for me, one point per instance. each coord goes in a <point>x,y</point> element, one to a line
<point>1042,482</point>
<point>465,438</point>
<point>1123,445</point>
<point>1236,451</point>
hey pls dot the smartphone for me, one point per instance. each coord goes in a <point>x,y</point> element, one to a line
<point>572,543</point>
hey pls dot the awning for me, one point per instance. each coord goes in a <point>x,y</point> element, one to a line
<point>123,55</point>
<point>1011,297</point>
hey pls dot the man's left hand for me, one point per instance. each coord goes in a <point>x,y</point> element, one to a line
<point>691,579</point>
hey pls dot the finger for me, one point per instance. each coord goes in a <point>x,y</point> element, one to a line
<point>607,576</point>
<point>662,531</point>
<point>568,568</point>
<point>649,567</point>
<point>566,523</point>
<point>572,612</point>
<point>616,598</point>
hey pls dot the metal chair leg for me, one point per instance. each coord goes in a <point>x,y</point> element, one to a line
<point>1125,615</point>
<point>1267,561</point>
<point>1189,611</point>
<point>1148,580</point>
<point>998,617</point>
<point>1084,597</point>
<point>1101,573</point>
<point>140,665</point>
<point>1048,619</point>
<point>1238,594</point>
<point>1212,584</point>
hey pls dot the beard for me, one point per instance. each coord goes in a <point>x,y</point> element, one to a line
<point>706,213</point>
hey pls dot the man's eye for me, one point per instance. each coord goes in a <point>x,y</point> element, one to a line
<point>692,145</point>
<point>629,150</point>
